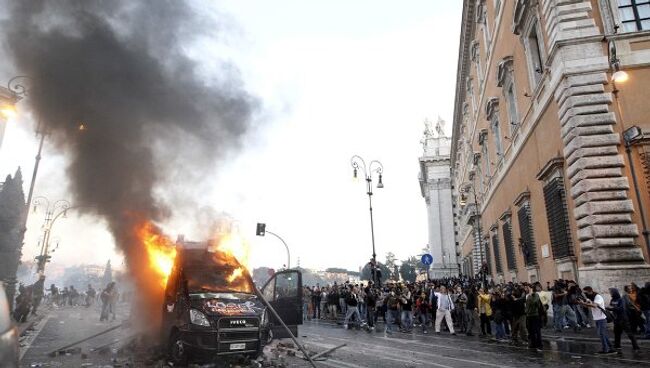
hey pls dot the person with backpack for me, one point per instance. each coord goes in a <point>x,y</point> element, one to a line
<point>597,305</point>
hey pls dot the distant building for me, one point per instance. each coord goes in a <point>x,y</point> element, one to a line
<point>540,174</point>
<point>435,185</point>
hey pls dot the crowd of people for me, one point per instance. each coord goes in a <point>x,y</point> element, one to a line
<point>30,297</point>
<point>509,312</point>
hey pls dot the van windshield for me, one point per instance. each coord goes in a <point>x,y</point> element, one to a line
<point>214,272</point>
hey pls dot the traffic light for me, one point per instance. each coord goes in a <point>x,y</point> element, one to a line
<point>261,229</point>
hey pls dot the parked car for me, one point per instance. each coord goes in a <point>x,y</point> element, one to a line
<point>8,334</point>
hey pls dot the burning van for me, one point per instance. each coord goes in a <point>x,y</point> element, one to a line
<point>212,309</point>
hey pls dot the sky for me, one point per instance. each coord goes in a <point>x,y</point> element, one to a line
<point>335,79</point>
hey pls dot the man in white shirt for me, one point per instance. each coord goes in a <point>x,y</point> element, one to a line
<point>597,305</point>
<point>445,306</point>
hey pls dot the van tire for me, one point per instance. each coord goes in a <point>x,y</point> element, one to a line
<point>176,350</point>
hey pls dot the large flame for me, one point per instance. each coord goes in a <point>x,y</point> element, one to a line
<point>160,250</point>
<point>232,244</point>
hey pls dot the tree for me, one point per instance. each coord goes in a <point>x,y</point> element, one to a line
<point>12,229</point>
<point>390,263</point>
<point>108,274</point>
<point>408,269</point>
<point>366,273</point>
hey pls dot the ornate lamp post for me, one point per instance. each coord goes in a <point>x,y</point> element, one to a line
<point>52,213</point>
<point>375,167</point>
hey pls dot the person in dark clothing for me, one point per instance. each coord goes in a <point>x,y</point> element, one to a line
<point>38,289</point>
<point>333,302</point>
<point>470,310</point>
<point>518,310</point>
<point>371,305</point>
<point>644,303</point>
<point>618,307</point>
<point>534,310</point>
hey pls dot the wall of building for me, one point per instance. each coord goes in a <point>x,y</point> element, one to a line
<point>567,118</point>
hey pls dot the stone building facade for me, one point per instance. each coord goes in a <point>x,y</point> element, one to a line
<point>435,185</point>
<point>541,178</point>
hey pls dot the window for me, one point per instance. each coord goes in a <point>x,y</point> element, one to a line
<point>485,158</point>
<point>534,49</point>
<point>492,113</point>
<point>505,79</point>
<point>488,259</point>
<point>497,253</point>
<point>558,219</point>
<point>506,227</point>
<point>476,58</point>
<point>496,133</point>
<point>511,101</point>
<point>526,240</point>
<point>634,14</point>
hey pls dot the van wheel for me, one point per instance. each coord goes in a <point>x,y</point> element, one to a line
<point>176,350</point>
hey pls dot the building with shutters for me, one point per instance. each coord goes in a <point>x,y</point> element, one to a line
<point>541,180</point>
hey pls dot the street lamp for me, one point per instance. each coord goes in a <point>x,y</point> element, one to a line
<point>375,167</point>
<point>630,136</point>
<point>52,213</point>
<point>261,231</point>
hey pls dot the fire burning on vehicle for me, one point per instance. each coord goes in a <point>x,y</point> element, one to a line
<point>229,252</point>
<point>160,250</point>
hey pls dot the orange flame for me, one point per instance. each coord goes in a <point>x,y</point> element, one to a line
<point>160,250</point>
<point>232,244</point>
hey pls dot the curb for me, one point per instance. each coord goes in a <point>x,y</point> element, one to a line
<point>624,338</point>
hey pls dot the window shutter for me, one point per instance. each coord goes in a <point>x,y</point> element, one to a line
<point>526,231</point>
<point>497,254</point>
<point>558,219</point>
<point>510,246</point>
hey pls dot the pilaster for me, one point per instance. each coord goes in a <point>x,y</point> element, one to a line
<point>603,209</point>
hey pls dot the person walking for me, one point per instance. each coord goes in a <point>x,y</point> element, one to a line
<point>445,306</point>
<point>534,310</point>
<point>597,305</point>
<point>106,298</point>
<point>619,309</point>
<point>352,303</point>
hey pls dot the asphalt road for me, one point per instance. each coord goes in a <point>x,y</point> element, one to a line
<point>378,350</point>
<point>363,349</point>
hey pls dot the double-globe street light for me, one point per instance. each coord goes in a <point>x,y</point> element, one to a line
<point>375,167</point>
<point>53,211</point>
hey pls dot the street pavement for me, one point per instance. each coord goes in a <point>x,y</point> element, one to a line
<point>62,326</point>
<point>59,327</point>
<point>378,350</point>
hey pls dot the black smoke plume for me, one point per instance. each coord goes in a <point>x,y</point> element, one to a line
<point>114,88</point>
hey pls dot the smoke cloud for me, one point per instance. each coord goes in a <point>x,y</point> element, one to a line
<point>114,89</point>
